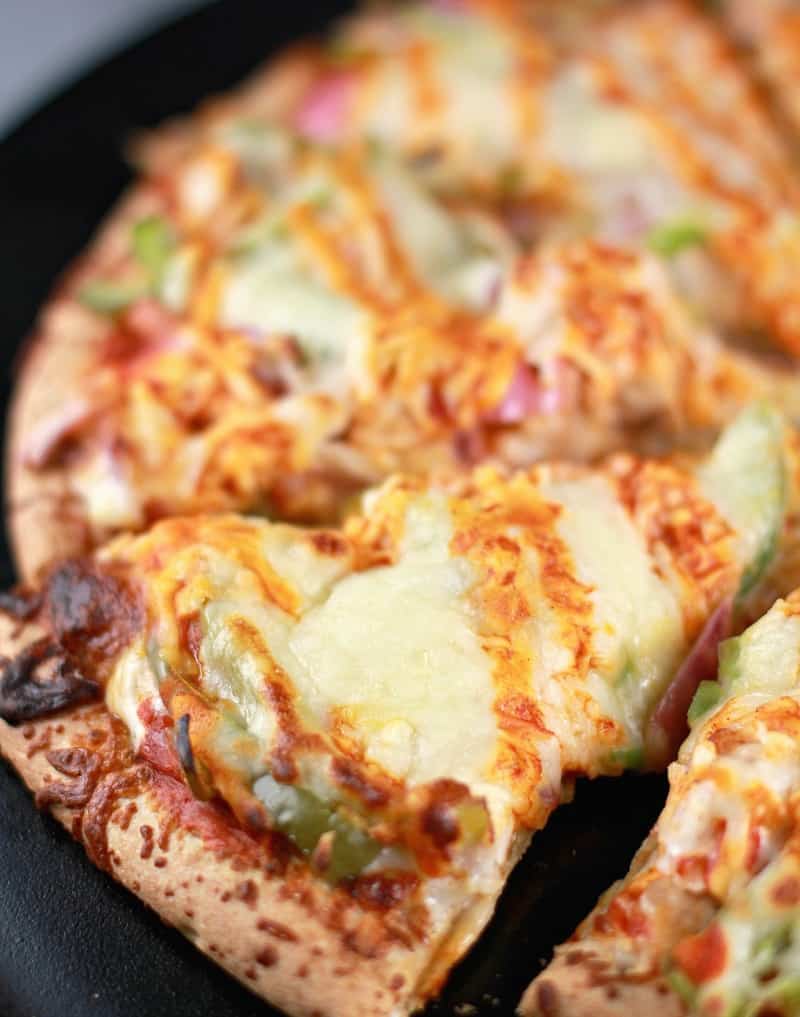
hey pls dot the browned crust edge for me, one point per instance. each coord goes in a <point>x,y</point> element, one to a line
<point>45,520</point>
<point>570,987</point>
<point>273,935</point>
<point>271,92</point>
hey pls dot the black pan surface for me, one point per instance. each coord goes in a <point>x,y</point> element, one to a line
<point>72,942</point>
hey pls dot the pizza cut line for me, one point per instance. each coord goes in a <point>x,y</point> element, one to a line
<point>281,711</point>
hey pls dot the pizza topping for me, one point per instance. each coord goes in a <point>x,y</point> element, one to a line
<point>93,614</point>
<point>42,679</point>
<point>153,243</point>
<point>110,297</point>
<point>747,475</point>
<point>669,239</point>
<point>719,876</point>
<point>184,745</point>
<point>337,849</point>
<point>21,603</point>
<point>668,724</point>
<point>324,110</point>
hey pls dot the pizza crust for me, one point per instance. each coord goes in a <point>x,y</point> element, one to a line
<point>291,939</point>
<point>45,519</point>
<point>272,92</point>
<point>572,988</point>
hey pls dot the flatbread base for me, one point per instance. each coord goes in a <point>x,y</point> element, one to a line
<point>286,935</point>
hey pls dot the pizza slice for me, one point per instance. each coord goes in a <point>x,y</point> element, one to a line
<point>260,729</point>
<point>706,922</point>
<point>272,327</point>
<point>571,118</point>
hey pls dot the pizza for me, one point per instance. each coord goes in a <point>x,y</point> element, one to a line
<point>406,446</point>
<point>259,728</point>
<point>705,922</point>
<point>279,317</point>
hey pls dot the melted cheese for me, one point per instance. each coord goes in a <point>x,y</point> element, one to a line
<point>396,651</point>
<point>391,663</point>
<point>639,634</point>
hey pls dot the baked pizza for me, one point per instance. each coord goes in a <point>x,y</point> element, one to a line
<point>280,316</point>
<point>705,922</point>
<point>260,728</point>
<point>513,269</point>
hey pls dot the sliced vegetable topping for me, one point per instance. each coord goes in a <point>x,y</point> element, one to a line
<point>335,845</point>
<point>109,297</point>
<point>669,239</point>
<point>153,242</point>
<point>746,477</point>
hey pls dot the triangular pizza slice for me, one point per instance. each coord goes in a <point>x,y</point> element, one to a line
<point>706,921</point>
<point>320,752</point>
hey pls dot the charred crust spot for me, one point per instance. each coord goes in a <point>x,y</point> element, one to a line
<point>189,913</point>
<point>40,744</point>
<point>302,971</point>
<point>246,891</point>
<point>160,863</point>
<point>276,929</point>
<point>384,890</point>
<point>146,833</point>
<point>127,815</point>
<point>225,897</point>
<point>397,982</point>
<point>80,764</point>
<point>250,973</point>
<point>93,614</point>
<point>547,999</point>
<point>29,689</point>
<point>267,957</point>
<point>100,807</point>
<point>20,603</point>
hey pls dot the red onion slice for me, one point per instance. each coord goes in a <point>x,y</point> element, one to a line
<point>533,393</point>
<point>668,726</point>
<point>323,113</point>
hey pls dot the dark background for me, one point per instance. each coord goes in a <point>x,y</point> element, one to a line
<point>72,942</point>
